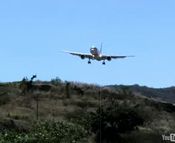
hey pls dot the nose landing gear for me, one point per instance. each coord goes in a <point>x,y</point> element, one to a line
<point>103,63</point>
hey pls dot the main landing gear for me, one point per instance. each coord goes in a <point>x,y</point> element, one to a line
<point>89,62</point>
<point>103,63</point>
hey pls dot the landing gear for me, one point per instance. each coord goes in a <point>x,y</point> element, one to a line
<point>103,63</point>
<point>89,62</point>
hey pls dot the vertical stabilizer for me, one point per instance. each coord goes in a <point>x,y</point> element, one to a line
<point>101,48</point>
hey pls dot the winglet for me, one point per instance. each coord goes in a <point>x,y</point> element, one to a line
<point>65,51</point>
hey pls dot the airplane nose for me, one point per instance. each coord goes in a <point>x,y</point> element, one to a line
<point>91,50</point>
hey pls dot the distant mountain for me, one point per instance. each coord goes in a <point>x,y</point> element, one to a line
<point>162,94</point>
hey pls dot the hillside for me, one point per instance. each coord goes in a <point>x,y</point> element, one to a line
<point>58,111</point>
<point>162,94</point>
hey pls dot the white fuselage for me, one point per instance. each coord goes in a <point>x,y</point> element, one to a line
<point>96,53</point>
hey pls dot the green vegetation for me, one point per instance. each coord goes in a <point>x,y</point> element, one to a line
<point>46,132</point>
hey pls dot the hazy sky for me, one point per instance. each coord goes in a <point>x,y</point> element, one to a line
<point>33,32</point>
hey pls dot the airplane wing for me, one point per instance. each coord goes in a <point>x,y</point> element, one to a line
<point>106,57</point>
<point>81,55</point>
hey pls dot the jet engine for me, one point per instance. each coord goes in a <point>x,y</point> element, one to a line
<point>82,56</point>
<point>109,58</point>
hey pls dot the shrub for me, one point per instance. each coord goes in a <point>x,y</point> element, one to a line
<point>46,132</point>
<point>82,118</point>
<point>4,99</point>
<point>112,119</point>
<point>57,81</point>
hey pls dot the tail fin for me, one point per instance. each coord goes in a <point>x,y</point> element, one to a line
<point>101,48</point>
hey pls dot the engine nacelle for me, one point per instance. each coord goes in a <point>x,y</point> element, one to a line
<point>109,58</point>
<point>82,56</point>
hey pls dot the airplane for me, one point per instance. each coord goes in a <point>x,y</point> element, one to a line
<point>96,54</point>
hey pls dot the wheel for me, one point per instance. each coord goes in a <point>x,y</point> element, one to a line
<point>89,62</point>
<point>104,63</point>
